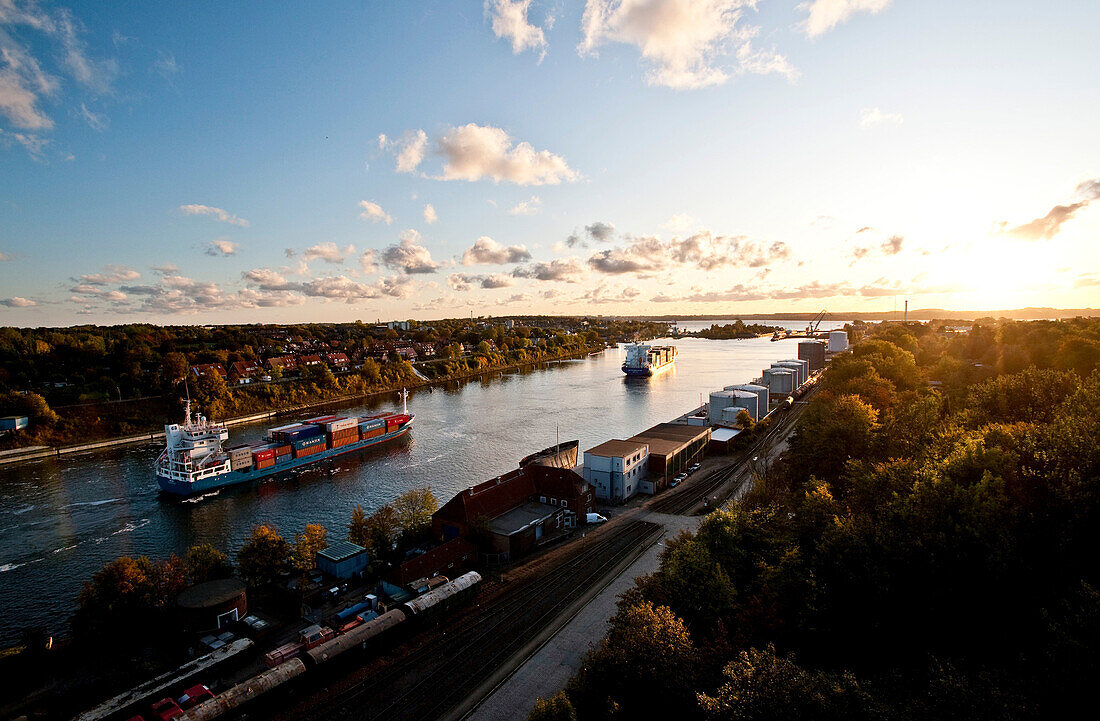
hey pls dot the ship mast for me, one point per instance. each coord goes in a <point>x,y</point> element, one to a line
<point>405,401</point>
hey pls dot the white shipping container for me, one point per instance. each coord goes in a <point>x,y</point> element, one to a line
<point>341,424</point>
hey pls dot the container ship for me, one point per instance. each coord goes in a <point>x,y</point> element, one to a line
<point>194,460</point>
<point>645,360</point>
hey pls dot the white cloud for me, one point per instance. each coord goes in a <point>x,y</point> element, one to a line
<point>5,257</point>
<point>409,255</point>
<point>509,20</point>
<point>870,117</point>
<point>165,65</point>
<point>679,223</point>
<point>328,252</point>
<point>531,206</point>
<point>33,144</point>
<point>486,251</point>
<point>429,214</point>
<point>682,41</point>
<point>96,121</point>
<point>568,270</point>
<point>369,262</point>
<point>824,15</point>
<point>218,214</point>
<point>373,212</point>
<point>472,152</point>
<point>111,274</point>
<point>409,149</point>
<point>18,302</point>
<point>221,246</point>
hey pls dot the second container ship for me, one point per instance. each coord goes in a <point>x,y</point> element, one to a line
<point>194,460</point>
<point>645,360</point>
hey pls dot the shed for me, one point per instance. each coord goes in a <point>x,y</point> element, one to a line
<point>722,439</point>
<point>214,604</point>
<point>343,559</point>
<point>14,423</point>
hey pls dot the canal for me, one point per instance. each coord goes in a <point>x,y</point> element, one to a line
<point>63,519</point>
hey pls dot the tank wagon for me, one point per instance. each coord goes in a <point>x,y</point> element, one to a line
<point>427,606</point>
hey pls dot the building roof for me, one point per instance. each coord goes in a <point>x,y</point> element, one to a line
<point>341,551</point>
<point>210,594</point>
<point>660,446</point>
<point>616,448</point>
<point>724,434</point>
<point>675,432</point>
<point>521,517</point>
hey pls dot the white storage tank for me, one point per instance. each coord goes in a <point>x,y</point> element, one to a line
<point>729,415</point>
<point>795,367</point>
<point>838,341</point>
<point>780,381</point>
<point>761,397</point>
<point>721,400</point>
<point>803,363</point>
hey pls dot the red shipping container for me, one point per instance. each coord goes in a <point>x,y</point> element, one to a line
<point>263,455</point>
<point>282,450</point>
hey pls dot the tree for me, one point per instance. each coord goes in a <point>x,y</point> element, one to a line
<point>307,544</point>
<point>383,527</point>
<point>359,528</point>
<point>744,420</point>
<point>415,508</point>
<point>644,668</point>
<point>127,591</point>
<point>37,410</point>
<point>206,563</point>
<point>263,557</point>
<point>556,708</point>
<point>175,367</point>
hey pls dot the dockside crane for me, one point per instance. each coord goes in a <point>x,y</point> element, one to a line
<point>811,329</point>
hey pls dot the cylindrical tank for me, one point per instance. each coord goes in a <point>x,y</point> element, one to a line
<point>780,381</point>
<point>722,400</point>
<point>812,351</point>
<point>795,367</point>
<point>761,397</point>
<point>803,363</point>
<point>838,341</point>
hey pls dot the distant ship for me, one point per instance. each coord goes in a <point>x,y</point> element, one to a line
<point>645,360</point>
<point>195,462</point>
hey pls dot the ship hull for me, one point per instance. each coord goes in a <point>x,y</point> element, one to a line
<point>645,372</point>
<point>234,478</point>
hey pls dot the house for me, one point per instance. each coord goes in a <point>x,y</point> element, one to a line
<point>337,360</point>
<point>284,363</point>
<point>309,360</point>
<point>244,370</point>
<point>406,353</point>
<point>204,369</point>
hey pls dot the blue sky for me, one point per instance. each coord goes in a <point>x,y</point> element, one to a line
<point>246,162</point>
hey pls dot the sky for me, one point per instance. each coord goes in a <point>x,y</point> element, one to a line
<point>332,161</point>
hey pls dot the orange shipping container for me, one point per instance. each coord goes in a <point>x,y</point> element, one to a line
<point>282,450</point>
<point>265,463</point>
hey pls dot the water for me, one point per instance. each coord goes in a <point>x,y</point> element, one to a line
<point>62,519</point>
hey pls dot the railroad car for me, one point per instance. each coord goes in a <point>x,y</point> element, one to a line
<point>358,636</point>
<point>246,691</point>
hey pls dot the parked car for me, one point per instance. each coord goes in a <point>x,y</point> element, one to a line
<point>693,468</point>
<point>166,709</point>
<point>596,518</point>
<point>195,695</point>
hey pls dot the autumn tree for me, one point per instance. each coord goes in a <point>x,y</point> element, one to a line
<point>358,529</point>
<point>414,509</point>
<point>306,545</point>
<point>264,556</point>
<point>126,591</point>
<point>204,562</point>
<point>555,708</point>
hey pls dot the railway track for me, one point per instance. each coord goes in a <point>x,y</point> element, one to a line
<point>724,482</point>
<point>434,679</point>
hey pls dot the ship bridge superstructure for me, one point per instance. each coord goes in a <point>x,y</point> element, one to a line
<point>193,449</point>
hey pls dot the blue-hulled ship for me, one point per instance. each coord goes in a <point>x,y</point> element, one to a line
<point>645,360</point>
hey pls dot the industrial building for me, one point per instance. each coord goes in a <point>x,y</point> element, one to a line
<point>801,370</point>
<point>838,341</point>
<point>520,508</point>
<point>343,559</point>
<point>616,469</point>
<point>672,448</point>
<point>813,352</point>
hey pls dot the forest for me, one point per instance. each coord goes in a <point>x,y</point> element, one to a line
<point>926,549</point>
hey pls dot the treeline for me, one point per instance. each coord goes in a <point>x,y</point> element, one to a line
<point>924,551</point>
<point>737,329</point>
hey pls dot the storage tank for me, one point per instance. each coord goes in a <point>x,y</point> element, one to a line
<point>803,364</point>
<point>794,368</point>
<point>761,396</point>
<point>780,381</point>
<point>812,351</point>
<point>721,400</point>
<point>838,341</point>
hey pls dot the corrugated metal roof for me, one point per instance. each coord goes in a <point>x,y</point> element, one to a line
<point>615,448</point>
<point>341,551</point>
<point>723,434</point>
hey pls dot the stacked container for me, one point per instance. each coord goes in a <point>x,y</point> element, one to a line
<point>308,446</point>
<point>283,453</point>
<point>342,431</point>
<point>240,458</point>
<point>372,428</point>
<point>263,457</point>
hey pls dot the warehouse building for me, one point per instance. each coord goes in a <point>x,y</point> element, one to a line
<point>813,352</point>
<point>343,559</point>
<point>616,469</point>
<point>672,448</point>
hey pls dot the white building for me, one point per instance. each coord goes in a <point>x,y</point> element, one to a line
<point>838,341</point>
<point>616,468</point>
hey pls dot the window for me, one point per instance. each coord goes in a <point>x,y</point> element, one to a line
<point>564,503</point>
<point>542,499</point>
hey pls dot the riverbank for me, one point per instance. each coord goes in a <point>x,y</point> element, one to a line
<point>35,453</point>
